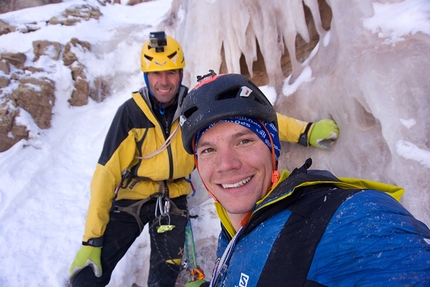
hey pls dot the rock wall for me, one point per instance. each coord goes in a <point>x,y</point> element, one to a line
<point>23,88</point>
<point>13,5</point>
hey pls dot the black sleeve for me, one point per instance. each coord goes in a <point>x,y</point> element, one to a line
<point>127,117</point>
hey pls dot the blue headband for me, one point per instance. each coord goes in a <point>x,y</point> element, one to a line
<point>255,126</point>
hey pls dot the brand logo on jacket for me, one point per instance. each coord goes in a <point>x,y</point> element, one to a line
<point>243,281</point>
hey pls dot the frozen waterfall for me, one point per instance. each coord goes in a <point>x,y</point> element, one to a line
<point>368,74</point>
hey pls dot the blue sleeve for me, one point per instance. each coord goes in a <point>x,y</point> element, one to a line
<point>372,240</point>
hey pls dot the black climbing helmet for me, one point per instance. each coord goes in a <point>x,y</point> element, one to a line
<point>217,97</point>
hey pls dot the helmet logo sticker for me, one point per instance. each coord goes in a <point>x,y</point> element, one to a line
<point>245,92</point>
<point>160,64</point>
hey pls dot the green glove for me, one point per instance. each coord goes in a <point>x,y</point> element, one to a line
<point>323,133</point>
<point>196,283</point>
<point>87,256</point>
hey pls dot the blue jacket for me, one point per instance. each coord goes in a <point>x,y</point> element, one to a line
<point>314,229</point>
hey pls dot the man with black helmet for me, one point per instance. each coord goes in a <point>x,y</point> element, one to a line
<point>305,228</point>
<point>142,174</point>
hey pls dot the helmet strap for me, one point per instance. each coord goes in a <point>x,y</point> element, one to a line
<point>275,172</point>
<point>204,184</point>
<point>145,77</point>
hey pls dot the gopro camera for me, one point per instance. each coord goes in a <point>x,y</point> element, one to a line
<point>158,41</point>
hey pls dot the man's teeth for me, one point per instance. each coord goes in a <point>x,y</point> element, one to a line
<point>237,184</point>
<point>164,91</point>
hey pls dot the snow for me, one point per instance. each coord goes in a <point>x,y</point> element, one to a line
<point>44,191</point>
<point>410,19</point>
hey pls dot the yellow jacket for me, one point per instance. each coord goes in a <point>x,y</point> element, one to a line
<point>136,132</point>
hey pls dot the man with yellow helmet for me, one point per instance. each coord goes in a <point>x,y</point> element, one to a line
<point>142,176</point>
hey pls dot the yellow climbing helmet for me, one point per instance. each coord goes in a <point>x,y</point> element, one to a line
<point>161,53</point>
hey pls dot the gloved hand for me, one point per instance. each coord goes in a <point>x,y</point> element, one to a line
<point>196,283</point>
<point>323,133</point>
<point>87,256</point>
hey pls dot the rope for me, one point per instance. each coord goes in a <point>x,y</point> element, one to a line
<point>163,146</point>
<point>195,272</point>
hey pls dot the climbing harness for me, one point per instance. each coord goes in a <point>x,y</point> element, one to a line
<point>134,209</point>
<point>163,208</point>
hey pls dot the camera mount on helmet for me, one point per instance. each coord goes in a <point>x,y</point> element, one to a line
<point>158,41</point>
<point>211,73</point>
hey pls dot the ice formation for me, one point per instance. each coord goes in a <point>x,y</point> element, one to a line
<point>368,74</point>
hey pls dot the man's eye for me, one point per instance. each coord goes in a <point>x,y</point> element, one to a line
<point>245,141</point>
<point>206,151</point>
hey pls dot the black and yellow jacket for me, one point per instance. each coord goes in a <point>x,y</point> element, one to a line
<point>136,132</point>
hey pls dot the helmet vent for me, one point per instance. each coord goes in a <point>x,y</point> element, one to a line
<point>148,57</point>
<point>260,101</point>
<point>172,55</point>
<point>236,92</point>
<point>229,94</point>
<point>189,112</point>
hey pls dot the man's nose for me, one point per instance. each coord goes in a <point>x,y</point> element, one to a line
<point>164,80</point>
<point>227,160</point>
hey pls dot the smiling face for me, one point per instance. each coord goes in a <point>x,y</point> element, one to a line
<point>164,85</point>
<point>235,166</point>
